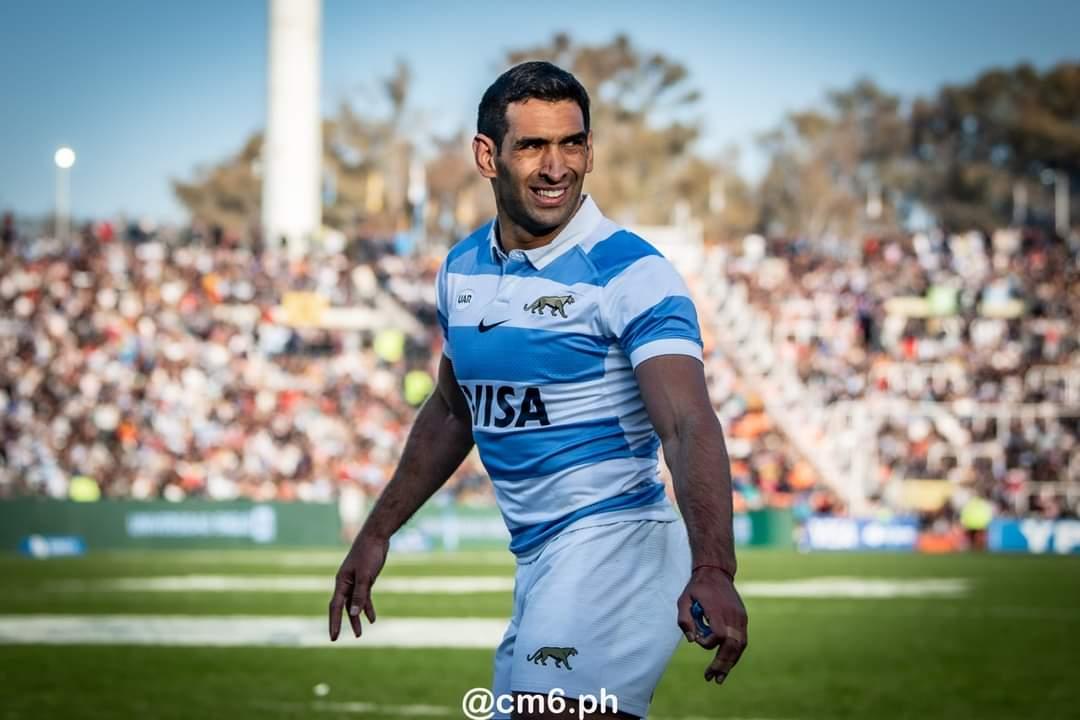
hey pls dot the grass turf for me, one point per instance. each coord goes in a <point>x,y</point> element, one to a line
<point>1005,650</point>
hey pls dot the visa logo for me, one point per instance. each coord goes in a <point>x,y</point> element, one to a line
<point>501,406</point>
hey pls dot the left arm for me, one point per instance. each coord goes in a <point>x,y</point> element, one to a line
<point>676,397</point>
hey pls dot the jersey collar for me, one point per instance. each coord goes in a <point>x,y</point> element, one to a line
<point>581,225</point>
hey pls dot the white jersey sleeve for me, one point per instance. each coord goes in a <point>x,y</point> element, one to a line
<point>648,308</point>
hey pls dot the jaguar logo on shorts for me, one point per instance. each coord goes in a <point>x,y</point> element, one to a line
<point>557,303</point>
<point>561,656</point>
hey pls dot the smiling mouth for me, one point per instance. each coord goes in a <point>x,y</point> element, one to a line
<point>550,196</point>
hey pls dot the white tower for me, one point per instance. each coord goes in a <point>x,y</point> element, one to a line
<point>292,153</point>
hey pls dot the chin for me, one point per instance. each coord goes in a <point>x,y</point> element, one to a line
<point>544,223</point>
<point>554,216</point>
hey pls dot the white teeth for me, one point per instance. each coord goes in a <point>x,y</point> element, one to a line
<point>550,193</point>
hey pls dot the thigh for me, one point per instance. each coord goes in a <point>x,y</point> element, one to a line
<point>600,613</point>
<point>504,654</point>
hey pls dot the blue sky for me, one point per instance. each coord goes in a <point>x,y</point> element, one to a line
<point>146,91</point>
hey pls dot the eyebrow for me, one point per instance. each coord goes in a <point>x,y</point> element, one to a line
<point>530,141</point>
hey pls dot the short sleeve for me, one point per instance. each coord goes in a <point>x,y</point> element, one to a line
<point>649,310</point>
<point>441,306</point>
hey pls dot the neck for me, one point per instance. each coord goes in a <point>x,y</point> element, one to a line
<point>514,237</point>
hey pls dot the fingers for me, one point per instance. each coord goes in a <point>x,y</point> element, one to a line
<point>710,641</point>
<point>727,654</point>
<point>686,620</point>
<point>354,619</point>
<point>337,604</point>
<point>369,609</point>
<point>350,597</point>
<point>352,586</point>
<point>360,600</point>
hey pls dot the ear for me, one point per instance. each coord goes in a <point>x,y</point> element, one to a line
<point>484,152</point>
<point>588,156</point>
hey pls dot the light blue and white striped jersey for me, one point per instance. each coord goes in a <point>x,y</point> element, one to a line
<point>544,343</point>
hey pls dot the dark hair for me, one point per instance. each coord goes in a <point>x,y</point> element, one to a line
<point>530,80</point>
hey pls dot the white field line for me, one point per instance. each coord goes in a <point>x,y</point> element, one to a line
<point>245,631</point>
<point>368,708</point>
<point>445,585</point>
<point>851,587</point>
<point>290,631</point>
<point>333,559</point>
<point>322,559</point>
<point>822,587</point>
<point>937,610</point>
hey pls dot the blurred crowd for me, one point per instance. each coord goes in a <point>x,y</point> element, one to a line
<point>153,365</point>
<point>964,348</point>
<point>766,470</point>
<point>160,364</point>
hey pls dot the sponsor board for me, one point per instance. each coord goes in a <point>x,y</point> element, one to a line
<point>443,527</point>
<point>1035,536</point>
<point>743,529</point>
<point>117,524</point>
<point>843,533</point>
<point>259,524</point>
<point>47,546</point>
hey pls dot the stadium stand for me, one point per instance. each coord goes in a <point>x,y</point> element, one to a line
<point>929,357</point>
<point>176,366</point>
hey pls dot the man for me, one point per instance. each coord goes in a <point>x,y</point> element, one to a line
<point>572,351</point>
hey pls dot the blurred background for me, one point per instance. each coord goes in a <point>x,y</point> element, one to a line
<point>221,224</point>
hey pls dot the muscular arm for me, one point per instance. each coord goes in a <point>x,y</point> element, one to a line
<point>674,391</point>
<point>440,438</point>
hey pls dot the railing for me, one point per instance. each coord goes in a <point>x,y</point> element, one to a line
<point>837,440</point>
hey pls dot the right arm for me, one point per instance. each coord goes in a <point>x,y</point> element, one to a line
<point>439,440</point>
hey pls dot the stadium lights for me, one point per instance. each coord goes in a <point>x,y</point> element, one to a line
<point>64,158</point>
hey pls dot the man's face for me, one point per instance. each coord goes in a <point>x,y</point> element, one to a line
<point>540,167</point>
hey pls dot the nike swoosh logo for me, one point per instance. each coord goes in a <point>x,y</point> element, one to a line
<point>484,328</point>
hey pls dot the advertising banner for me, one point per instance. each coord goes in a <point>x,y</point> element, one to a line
<point>455,527</point>
<point>1035,536</point>
<point>445,526</point>
<point>114,524</point>
<point>845,533</point>
<point>47,528</point>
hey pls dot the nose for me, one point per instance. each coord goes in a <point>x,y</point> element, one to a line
<point>553,165</point>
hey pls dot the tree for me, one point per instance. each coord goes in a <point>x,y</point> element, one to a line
<point>960,154</point>
<point>228,194</point>
<point>828,167</point>
<point>459,198</point>
<point>978,141</point>
<point>365,161</point>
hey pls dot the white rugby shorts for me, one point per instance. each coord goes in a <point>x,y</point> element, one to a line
<point>595,609</point>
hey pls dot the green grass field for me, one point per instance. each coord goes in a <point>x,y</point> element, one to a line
<point>1005,647</point>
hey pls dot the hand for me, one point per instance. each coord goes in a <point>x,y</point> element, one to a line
<point>715,591</point>
<point>352,586</point>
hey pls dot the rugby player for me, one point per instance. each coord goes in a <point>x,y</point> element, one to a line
<point>572,352</point>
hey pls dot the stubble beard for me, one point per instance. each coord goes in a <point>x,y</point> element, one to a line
<point>515,204</point>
